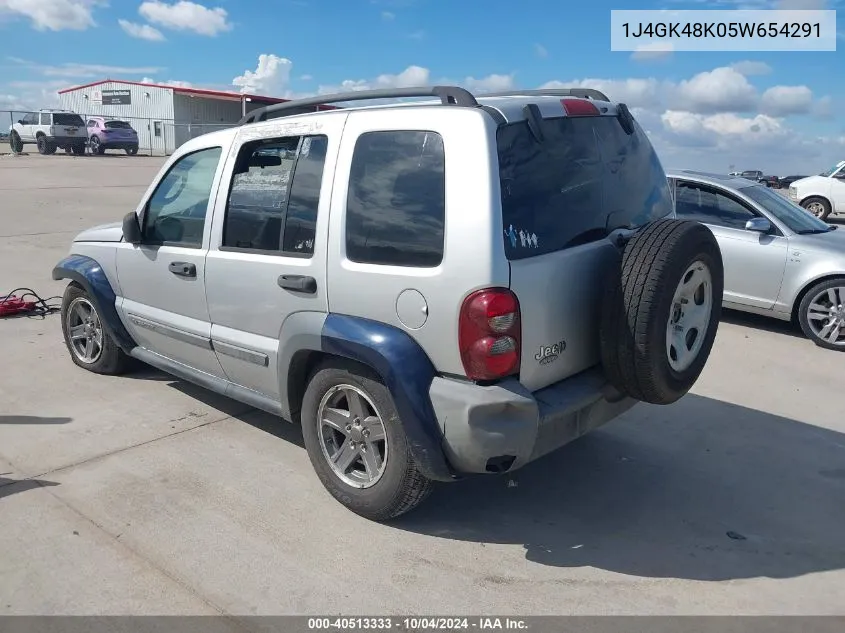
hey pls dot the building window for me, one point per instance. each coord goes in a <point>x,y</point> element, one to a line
<point>157,128</point>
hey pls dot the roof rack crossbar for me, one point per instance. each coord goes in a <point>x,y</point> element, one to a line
<point>449,95</point>
<point>582,93</point>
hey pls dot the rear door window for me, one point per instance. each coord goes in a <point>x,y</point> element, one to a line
<point>118,125</point>
<point>585,179</point>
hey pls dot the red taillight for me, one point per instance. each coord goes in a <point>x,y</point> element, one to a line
<point>489,334</point>
<point>579,107</point>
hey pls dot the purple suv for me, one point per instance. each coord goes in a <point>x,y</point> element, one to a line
<point>106,134</point>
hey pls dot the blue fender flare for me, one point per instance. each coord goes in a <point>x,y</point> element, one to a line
<point>88,273</point>
<point>407,373</point>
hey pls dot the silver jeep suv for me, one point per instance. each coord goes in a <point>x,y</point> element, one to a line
<point>431,289</point>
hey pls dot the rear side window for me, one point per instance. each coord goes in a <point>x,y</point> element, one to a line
<point>45,118</point>
<point>275,194</point>
<point>118,125</point>
<point>396,207</point>
<point>585,179</point>
<point>63,118</point>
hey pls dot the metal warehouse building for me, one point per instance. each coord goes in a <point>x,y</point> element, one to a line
<point>164,116</point>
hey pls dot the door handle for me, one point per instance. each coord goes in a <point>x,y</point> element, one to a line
<point>298,283</point>
<point>183,269</point>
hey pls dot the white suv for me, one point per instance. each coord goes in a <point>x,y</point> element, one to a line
<point>823,194</point>
<point>50,130</point>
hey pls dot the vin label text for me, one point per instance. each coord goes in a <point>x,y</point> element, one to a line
<point>661,32</point>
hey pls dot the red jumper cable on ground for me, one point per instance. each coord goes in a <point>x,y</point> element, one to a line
<point>27,304</point>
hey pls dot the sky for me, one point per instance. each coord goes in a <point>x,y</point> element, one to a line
<point>719,111</point>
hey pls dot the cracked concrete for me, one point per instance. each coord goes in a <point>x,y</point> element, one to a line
<point>145,495</point>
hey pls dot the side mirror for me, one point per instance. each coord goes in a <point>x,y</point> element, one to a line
<point>760,225</point>
<point>131,228</point>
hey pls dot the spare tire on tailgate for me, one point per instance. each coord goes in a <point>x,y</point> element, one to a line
<point>661,309</point>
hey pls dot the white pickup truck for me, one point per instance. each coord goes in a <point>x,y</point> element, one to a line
<point>823,194</point>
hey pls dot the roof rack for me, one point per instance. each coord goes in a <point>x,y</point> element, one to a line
<point>449,95</point>
<point>583,93</point>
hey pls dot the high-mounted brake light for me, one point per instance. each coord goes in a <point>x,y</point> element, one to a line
<point>489,334</point>
<point>579,107</point>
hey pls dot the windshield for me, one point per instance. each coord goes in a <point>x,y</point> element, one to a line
<point>793,216</point>
<point>585,179</point>
<point>833,169</point>
<point>122,125</point>
<point>60,118</point>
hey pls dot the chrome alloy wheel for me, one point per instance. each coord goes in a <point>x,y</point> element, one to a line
<point>826,316</point>
<point>689,316</point>
<point>816,208</point>
<point>84,331</point>
<point>352,436</point>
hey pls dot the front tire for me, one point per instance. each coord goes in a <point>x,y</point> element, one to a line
<point>819,207</point>
<point>821,314</point>
<point>96,146</point>
<point>660,311</point>
<point>357,445</point>
<point>87,341</point>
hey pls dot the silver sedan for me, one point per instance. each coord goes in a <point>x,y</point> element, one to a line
<point>780,261</point>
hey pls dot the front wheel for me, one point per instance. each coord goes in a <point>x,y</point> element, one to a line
<point>821,314</point>
<point>88,342</point>
<point>96,146</point>
<point>357,445</point>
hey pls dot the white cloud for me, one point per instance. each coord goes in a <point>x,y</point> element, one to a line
<point>636,93</point>
<point>72,70</point>
<point>175,83</point>
<point>749,68</point>
<point>306,78</point>
<point>540,51</point>
<point>719,90</point>
<point>490,83</point>
<point>652,51</point>
<point>270,77</point>
<point>786,100</point>
<point>141,31</point>
<point>54,15</point>
<point>186,16</point>
<point>387,16</point>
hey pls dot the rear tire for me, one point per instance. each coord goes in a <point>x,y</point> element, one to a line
<point>819,207</point>
<point>15,143</point>
<point>131,151</point>
<point>96,146</point>
<point>82,327</point>
<point>78,150</point>
<point>660,311</point>
<point>382,480</point>
<point>41,144</point>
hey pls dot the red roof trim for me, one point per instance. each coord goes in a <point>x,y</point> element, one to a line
<point>179,89</point>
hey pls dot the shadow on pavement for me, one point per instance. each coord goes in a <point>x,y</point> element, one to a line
<point>759,322</point>
<point>9,487</point>
<point>32,419</point>
<point>700,490</point>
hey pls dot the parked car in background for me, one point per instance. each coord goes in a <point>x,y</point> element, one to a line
<point>105,134</point>
<point>752,174</point>
<point>770,181</point>
<point>779,260</point>
<point>785,181</point>
<point>823,194</point>
<point>49,130</point>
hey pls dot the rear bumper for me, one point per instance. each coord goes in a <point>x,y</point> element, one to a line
<point>121,144</point>
<point>67,140</point>
<point>501,428</point>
